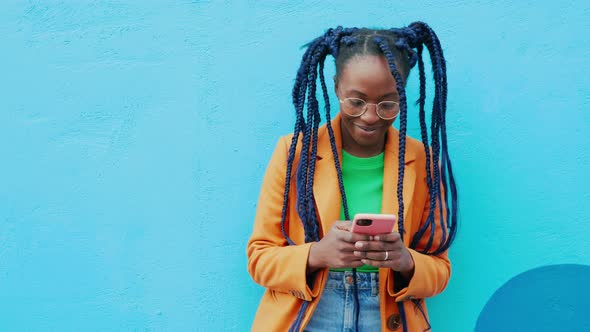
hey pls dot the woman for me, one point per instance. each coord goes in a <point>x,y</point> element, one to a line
<point>318,275</point>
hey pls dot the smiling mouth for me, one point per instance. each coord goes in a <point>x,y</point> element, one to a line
<point>367,129</point>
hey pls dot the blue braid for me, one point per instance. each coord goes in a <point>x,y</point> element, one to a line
<point>415,36</point>
<point>307,213</point>
<point>305,174</point>
<point>439,71</point>
<point>298,90</point>
<point>333,144</point>
<point>348,41</point>
<point>439,115</point>
<point>311,212</point>
<point>306,82</point>
<point>436,148</point>
<point>402,127</point>
<point>298,101</point>
<point>446,160</point>
<point>421,101</point>
<point>290,159</point>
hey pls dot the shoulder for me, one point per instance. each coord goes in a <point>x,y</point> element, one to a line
<point>284,143</point>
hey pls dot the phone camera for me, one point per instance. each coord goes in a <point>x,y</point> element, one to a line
<point>364,222</point>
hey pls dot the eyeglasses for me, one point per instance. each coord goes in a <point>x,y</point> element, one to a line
<point>355,107</point>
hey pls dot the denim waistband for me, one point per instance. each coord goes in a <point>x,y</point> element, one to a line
<point>345,279</point>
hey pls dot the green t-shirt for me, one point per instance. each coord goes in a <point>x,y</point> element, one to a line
<point>363,184</point>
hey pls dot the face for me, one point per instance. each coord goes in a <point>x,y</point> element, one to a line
<point>366,77</point>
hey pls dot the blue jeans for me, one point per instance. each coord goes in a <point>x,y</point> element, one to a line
<point>336,309</point>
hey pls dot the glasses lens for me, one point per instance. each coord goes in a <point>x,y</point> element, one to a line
<point>388,109</point>
<point>354,106</point>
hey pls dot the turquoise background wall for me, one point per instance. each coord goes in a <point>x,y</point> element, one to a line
<point>134,136</point>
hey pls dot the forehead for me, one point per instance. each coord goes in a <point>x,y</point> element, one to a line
<point>368,74</point>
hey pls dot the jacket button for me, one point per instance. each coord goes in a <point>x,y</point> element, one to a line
<point>394,322</point>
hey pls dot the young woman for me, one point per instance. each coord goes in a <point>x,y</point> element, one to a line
<point>318,275</point>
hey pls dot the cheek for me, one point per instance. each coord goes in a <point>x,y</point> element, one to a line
<point>389,123</point>
<point>348,121</point>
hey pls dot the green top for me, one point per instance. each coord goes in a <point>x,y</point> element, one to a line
<point>363,184</point>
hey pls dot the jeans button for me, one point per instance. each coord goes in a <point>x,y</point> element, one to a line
<point>349,280</point>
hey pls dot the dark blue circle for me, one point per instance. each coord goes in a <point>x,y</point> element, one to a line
<point>549,298</point>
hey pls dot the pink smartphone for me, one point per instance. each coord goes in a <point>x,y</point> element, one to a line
<point>373,224</point>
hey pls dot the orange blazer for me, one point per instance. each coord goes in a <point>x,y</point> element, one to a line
<point>281,268</point>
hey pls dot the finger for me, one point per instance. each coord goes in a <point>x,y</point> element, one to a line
<point>389,237</point>
<point>344,225</point>
<point>378,255</point>
<point>388,263</point>
<point>346,247</point>
<point>375,246</point>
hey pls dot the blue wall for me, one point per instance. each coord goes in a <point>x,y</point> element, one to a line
<point>135,135</point>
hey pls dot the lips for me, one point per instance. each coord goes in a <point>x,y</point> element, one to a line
<point>368,129</point>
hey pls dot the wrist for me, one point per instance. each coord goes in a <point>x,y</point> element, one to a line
<point>408,271</point>
<point>314,261</point>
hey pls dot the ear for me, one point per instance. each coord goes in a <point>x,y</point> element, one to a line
<point>336,85</point>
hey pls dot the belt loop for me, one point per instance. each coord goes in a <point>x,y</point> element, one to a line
<point>374,284</point>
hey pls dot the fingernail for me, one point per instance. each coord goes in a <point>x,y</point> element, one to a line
<point>357,253</point>
<point>359,244</point>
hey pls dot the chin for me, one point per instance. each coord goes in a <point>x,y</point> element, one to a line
<point>369,142</point>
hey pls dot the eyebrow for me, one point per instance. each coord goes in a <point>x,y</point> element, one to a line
<point>394,94</point>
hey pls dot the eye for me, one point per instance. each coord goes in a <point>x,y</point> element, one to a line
<point>355,102</point>
<point>388,105</point>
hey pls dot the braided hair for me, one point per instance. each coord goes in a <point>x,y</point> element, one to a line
<point>403,49</point>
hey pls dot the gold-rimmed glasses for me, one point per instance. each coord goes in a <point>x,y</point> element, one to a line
<point>355,107</point>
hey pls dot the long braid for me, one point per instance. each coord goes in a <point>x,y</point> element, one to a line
<point>417,34</point>
<point>435,200</point>
<point>448,220</point>
<point>348,41</point>
<point>313,224</point>
<point>424,133</point>
<point>438,118</point>
<point>333,144</point>
<point>446,162</point>
<point>299,101</point>
<point>305,206</point>
<point>315,56</point>
<point>303,196</point>
<point>402,127</point>
<point>402,146</point>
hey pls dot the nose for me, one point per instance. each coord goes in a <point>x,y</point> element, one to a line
<point>370,116</point>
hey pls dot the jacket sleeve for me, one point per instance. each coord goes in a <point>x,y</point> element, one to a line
<point>431,272</point>
<point>273,263</point>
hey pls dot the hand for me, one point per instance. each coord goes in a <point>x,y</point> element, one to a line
<point>386,250</point>
<point>336,249</point>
